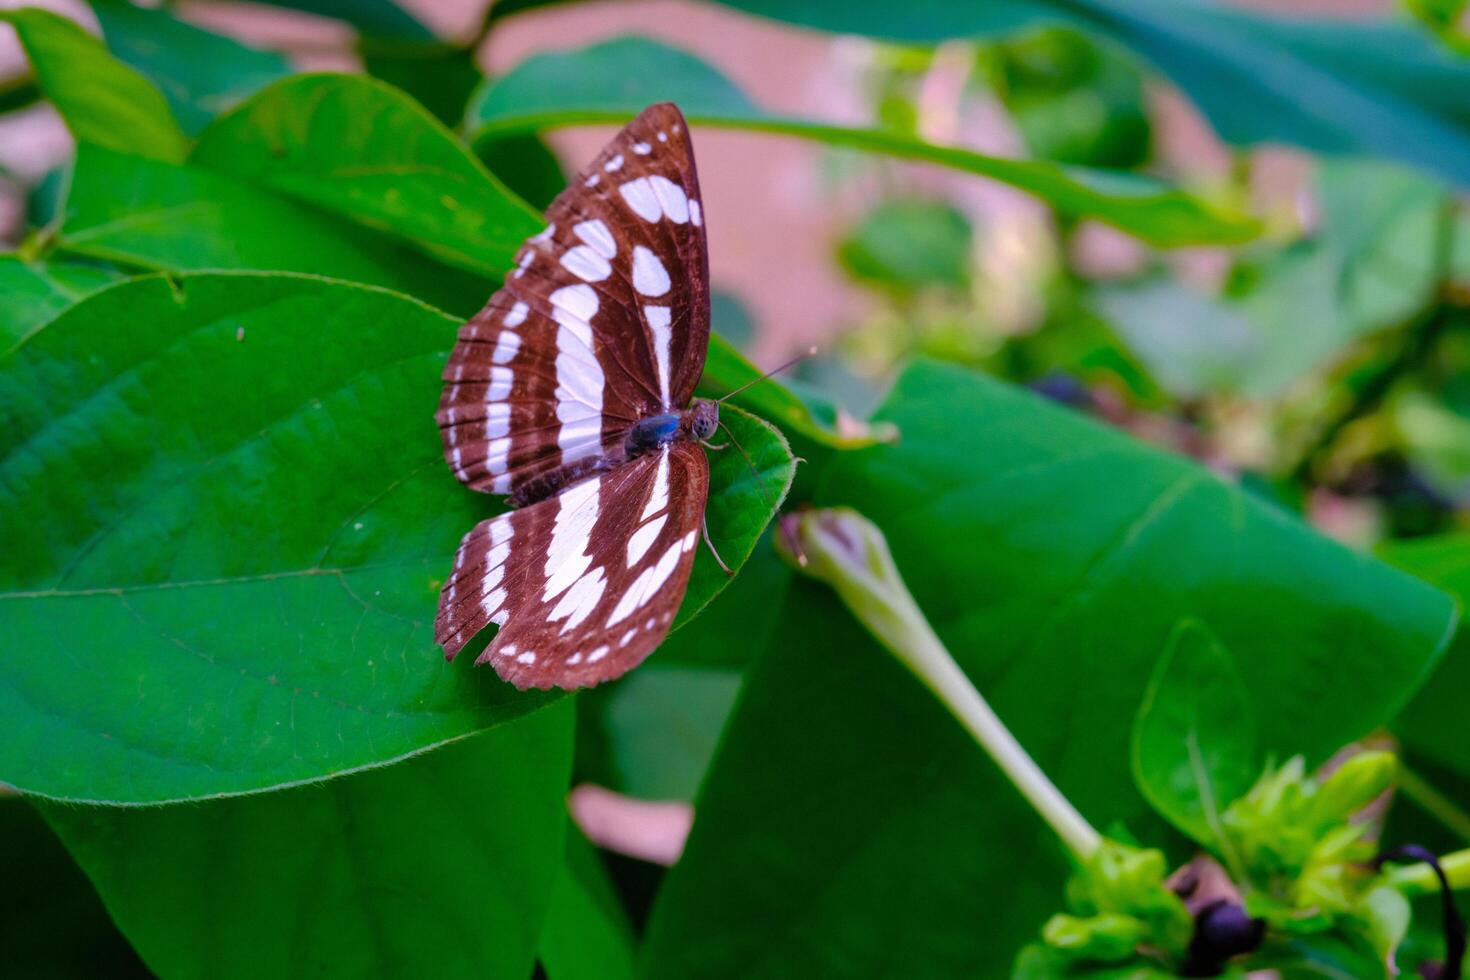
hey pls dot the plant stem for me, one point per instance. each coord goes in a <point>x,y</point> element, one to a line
<point>1433,802</point>
<point>849,553</point>
<point>927,657</point>
<point>1419,879</point>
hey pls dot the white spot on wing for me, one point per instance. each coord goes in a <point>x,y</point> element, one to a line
<point>696,213</point>
<point>689,541</point>
<point>501,380</point>
<point>640,197</point>
<point>596,234</point>
<point>659,318</point>
<point>506,346</point>
<point>584,263</point>
<point>646,585</point>
<point>568,552</point>
<point>649,275</point>
<point>592,180</point>
<point>597,655</point>
<point>672,199</point>
<point>642,539</point>
<point>658,498</point>
<point>526,658</point>
<point>642,149</point>
<point>615,163</point>
<point>516,315</point>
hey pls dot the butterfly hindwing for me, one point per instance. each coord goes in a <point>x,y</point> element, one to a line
<point>604,320</point>
<point>584,584</point>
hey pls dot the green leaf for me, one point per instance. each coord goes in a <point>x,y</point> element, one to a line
<point>226,525</point>
<point>658,729</point>
<point>1194,738</point>
<point>440,77</point>
<point>1336,86</point>
<point>52,925</point>
<point>586,935</point>
<point>1053,556</point>
<point>849,827</point>
<point>907,245</point>
<point>102,100</point>
<point>991,503</point>
<point>1433,724</point>
<point>162,216</point>
<point>440,866</point>
<point>36,291</point>
<point>200,73</point>
<point>526,165</point>
<point>361,149</point>
<point>562,89</point>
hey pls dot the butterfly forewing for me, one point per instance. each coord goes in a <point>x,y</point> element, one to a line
<point>583,584</point>
<point>604,320</point>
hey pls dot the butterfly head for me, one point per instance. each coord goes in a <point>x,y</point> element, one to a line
<point>702,419</point>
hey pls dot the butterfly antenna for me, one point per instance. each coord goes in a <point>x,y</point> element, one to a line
<point>809,352</point>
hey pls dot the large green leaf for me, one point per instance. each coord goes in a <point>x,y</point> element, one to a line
<point>1433,724</point>
<point>560,89</point>
<point>101,99</point>
<point>849,827</point>
<point>199,72</point>
<point>1194,741</point>
<point>441,866</point>
<point>360,148</point>
<point>1054,557</point>
<point>175,218</point>
<point>1378,88</point>
<point>226,518</point>
<point>36,291</point>
<point>586,935</point>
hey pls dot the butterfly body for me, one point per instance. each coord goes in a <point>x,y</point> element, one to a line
<point>571,394</point>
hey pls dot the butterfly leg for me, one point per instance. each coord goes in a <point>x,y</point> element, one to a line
<point>710,445</point>
<point>704,529</point>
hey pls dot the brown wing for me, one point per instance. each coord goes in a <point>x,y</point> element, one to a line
<point>584,584</point>
<point>604,320</point>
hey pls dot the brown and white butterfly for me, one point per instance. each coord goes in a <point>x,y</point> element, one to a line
<point>570,392</point>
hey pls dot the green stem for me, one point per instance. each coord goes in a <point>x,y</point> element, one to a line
<point>1433,802</point>
<point>848,552</point>
<point>1419,879</point>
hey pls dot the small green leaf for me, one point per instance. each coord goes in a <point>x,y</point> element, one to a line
<point>587,935</point>
<point>199,72</point>
<point>102,100</point>
<point>440,866</point>
<point>1194,740</point>
<point>656,731</point>
<point>907,245</point>
<point>562,89</point>
<point>227,518</point>
<point>362,149</point>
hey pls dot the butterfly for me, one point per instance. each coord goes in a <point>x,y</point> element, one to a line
<point>570,393</point>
